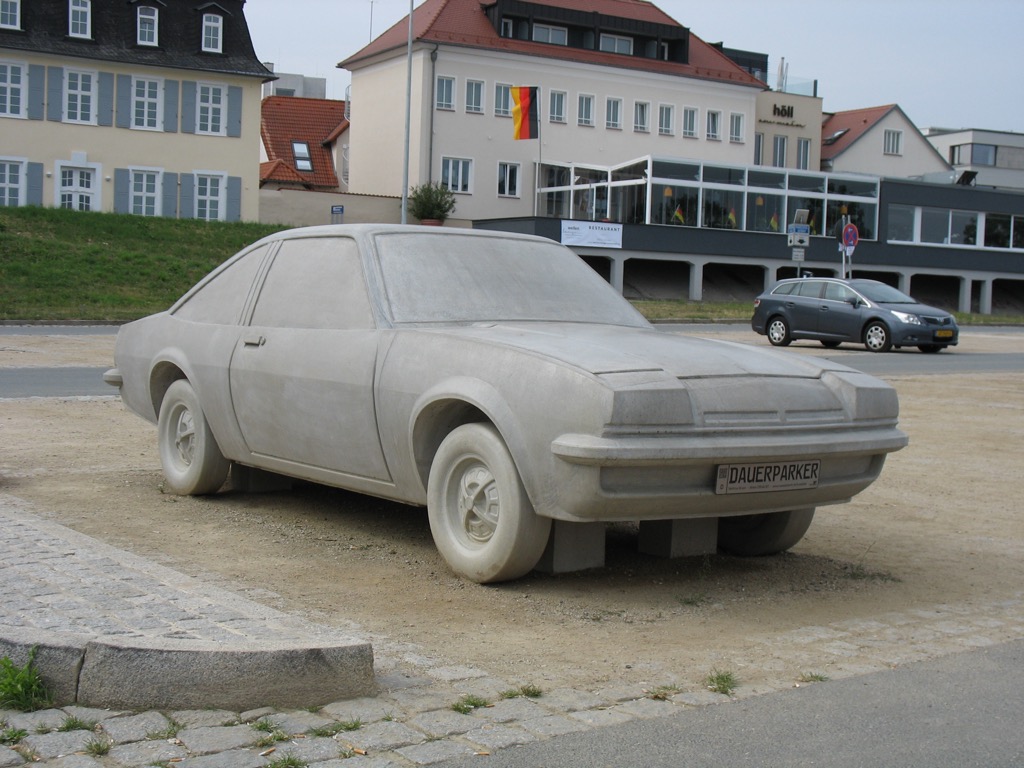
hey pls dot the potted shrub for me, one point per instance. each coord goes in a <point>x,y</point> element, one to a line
<point>431,203</point>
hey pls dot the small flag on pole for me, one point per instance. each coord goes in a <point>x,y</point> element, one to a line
<point>525,112</point>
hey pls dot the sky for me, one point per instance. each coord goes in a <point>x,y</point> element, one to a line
<point>946,63</point>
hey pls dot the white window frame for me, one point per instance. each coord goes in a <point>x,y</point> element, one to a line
<point>585,110</point>
<point>691,115</point>
<point>213,33</point>
<point>444,93</point>
<point>300,152</point>
<point>713,125</point>
<point>146,202</point>
<point>13,195</point>
<point>616,44</point>
<point>10,14</point>
<point>80,19</point>
<point>780,149</point>
<point>475,97</point>
<point>892,142</point>
<point>93,192</point>
<point>758,149</point>
<point>556,106</point>
<point>457,174</point>
<point>502,100</point>
<point>642,116</point>
<point>78,99</point>
<point>13,93</point>
<point>205,202</point>
<point>151,104</point>
<point>509,174</point>
<point>613,113</point>
<point>803,154</point>
<point>147,25</point>
<point>666,119</point>
<point>737,128</point>
<point>210,112</point>
<point>507,28</point>
<point>551,34</point>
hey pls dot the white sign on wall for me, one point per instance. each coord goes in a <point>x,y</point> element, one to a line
<point>597,234</point>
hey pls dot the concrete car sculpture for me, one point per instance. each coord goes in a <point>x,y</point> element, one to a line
<point>499,381</point>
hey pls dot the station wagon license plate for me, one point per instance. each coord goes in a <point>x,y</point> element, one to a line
<point>773,476</point>
<point>945,333</point>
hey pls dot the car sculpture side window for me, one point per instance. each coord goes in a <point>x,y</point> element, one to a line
<point>220,300</point>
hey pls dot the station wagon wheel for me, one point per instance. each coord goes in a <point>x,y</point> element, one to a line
<point>189,454</point>
<point>876,337</point>
<point>481,519</point>
<point>766,534</point>
<point>778,332</point>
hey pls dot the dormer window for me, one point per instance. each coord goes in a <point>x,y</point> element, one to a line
<point>303,162</point>
<point>213,33</point>
<point>545,33</point>
<point>80,18</point>
<point>148,26</point>
<point>616,44</point>
<point>10,14</point>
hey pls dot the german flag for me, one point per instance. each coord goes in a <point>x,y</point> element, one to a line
<point>525,112</point>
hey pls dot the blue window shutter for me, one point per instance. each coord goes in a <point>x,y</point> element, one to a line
<point>171,106</point>
<point>188,106</point>
<point>122,188</point>
<point>124,101</point>
<point>187,205</point>
<point>105,107</point>
<point>234,111</point>
<point>34,192</point>
<point>169,207</point>
<point>55,93</point>
<point>36,91</point>
<point>234,212</point>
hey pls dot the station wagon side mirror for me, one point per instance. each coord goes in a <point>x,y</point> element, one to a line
<point>854,301</point>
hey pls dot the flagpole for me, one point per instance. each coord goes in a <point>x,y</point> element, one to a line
<point>540,154</point>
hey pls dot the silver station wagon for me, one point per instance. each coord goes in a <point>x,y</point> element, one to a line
<point>498,381</point>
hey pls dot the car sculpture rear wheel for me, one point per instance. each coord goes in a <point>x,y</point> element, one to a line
<point>766,534</point>
<point>877,337</point>
<point>191,459</point>
<point>481,519</point>
<point>778,332</point>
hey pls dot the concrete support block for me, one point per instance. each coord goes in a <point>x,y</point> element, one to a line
<point>696,281</point>
<point>573,547</point>
<point>58,658</point>
<point>679,538</point>
<point>251,480</point>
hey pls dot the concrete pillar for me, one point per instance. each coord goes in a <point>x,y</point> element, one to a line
<point>616,274</point>
<point>771,277</point>
<point>679,538</point>
<point>965,294</point>
<point>573,547</point>
<point>985,304</point>
<point>903,283</point>
<point>696,282</point>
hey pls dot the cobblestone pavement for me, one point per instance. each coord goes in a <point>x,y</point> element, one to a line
<point>411,721</point>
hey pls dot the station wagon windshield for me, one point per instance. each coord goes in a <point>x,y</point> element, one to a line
<point>881,293</point>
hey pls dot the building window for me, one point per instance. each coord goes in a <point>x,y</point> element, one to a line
<point>445,96</point>
<point>507,28</point>
<point>474,96</point>
<point>502,100</point>
<point>983,154</point>
<point>11,175</point>
<point>508,179</point>
<point>585,110</point>
<point>893,142</point>
<point>556,112</point>
<point>613,114</point>
<point>12,89</point>
<point>209,196</point>
<point>80,18</point>
<point>457,173</point>
<point>666,119</point>
<point>714,127</point>
<point>213,28</point>
<point>145,198</point>
<point>544,33</point>
<point>617,44</point>
<point>147,104</point>
<point>77,189</point>
<point>779,146</point>
<point>300,151</point>
<point>736,128</point>
<point>690,122</point>
<point>211,110</point>
<point>758,149</point>
<point>803,154</point>
<point>10,14</point>
<point>79,97</point>
<point>641,117</point>
<point>147,20</point>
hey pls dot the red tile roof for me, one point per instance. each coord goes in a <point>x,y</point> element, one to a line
<point>464,23</point>
<point>317,122</point>
<point>842,129</point>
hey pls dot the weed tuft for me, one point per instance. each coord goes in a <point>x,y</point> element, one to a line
<point>72,723</point>
<point>11,736</point>
<point>287,761</point>
<point>468,703</point>
<point>812,677</point>
<point>529,691</point>
<point>662,692</point>
<point>22,688</point>
<point>97,747</point>
<point>721,681</point>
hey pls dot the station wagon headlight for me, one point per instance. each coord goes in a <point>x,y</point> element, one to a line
<point>909,319</point>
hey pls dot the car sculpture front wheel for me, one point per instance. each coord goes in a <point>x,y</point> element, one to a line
<point>877,337</point>
<point>778,332</point>
<point>189,454</point>
<point>765,534</point>
<point>481,519</point>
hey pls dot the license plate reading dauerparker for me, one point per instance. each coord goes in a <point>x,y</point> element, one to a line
<point>774,476</point>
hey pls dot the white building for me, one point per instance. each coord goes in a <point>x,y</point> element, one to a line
<point>989,158</point>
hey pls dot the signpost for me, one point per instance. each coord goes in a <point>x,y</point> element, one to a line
<point>848,239</point>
